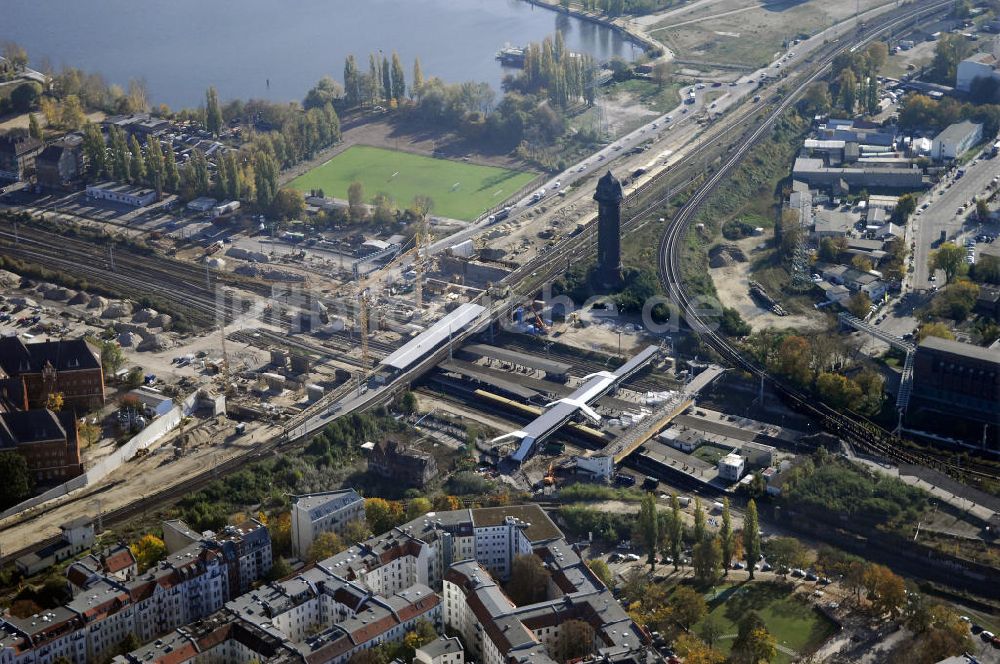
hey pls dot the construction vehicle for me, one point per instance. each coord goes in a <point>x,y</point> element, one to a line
<point>542,327</point>
<point>550,476</point>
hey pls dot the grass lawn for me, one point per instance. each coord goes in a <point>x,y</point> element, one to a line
<point>651,95</point>
<point>710,453</point>
<point>792,621</point>
<point>459,190</point>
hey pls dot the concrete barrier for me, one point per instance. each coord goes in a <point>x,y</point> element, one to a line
<point>160,427</point>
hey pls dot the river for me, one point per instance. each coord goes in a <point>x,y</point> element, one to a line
<point>180,47</point>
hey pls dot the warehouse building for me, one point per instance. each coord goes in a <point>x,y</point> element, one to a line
<point>125,194</point>
<point>959,379</point>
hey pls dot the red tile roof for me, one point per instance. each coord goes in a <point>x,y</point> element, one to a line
<point>121,559</point>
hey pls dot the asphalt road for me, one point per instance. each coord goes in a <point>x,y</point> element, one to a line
<point>942,214</point>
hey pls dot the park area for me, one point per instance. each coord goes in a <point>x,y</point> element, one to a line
<point>798,628</point>
<point>458,190</point>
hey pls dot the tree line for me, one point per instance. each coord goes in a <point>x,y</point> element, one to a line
<point>550,67</point>
<point>816,363</point>
<point>853,83</point>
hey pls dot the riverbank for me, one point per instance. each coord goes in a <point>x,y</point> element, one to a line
<point>623,26</point>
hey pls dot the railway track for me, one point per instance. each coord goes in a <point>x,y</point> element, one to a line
<point>186,287</point>
<point>145,276</point>
<point>850,426</point>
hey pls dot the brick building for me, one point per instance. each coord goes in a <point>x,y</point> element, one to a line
<point>48,441</point>
<point>67,366</point>
<point>60,164</point>
<point>395,460</point>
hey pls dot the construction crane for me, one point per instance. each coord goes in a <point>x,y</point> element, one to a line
<point>364,304</point>
<point>418,263</point>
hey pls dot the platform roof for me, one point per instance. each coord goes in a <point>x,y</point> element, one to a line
<point>428,340</point>
<point>469,371</point>
<point>518,358</point>
<point>560,411</point>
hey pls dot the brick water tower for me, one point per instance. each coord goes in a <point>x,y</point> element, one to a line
<point>609,228</point>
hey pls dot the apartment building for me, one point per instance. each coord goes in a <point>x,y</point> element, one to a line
<point>326,512</point>
<point>376,591</point>
<point>112,600</point>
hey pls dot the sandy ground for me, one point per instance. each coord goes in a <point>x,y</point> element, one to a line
<point>740,32</point>
<point>209,444</point>
<point>731,285</point>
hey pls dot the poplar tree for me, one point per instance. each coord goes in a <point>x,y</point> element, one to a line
<point>676,532</point>
<point>751,536</point>
<point>213,112</point>
<point>386,79</point>
<point>398,78</point>
<point>266,179</point>
<point>726,537</point>
<point>373,79</point>
<point>137,163</point>
<point>699,521</point>
<point>94,152</point>
<point>120,170</point>
<point>171,178</point>
<point>418,78</point>
<point>352,82</point>
<point>649,527</point>
<point>154,164</point>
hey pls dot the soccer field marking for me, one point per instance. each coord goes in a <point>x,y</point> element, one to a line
<point>497,193</point>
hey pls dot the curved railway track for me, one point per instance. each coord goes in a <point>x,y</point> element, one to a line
<point>850,426</point>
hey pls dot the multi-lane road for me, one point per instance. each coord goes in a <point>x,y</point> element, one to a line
<point>943,213</point>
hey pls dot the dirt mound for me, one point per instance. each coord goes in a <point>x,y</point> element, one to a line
<point>9,279</point>
<point>80,298</point>
<point>726,255</point>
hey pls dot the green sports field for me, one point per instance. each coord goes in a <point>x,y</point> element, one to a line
<point>459,190</point>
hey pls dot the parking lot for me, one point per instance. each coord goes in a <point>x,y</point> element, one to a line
<point>950,208</point>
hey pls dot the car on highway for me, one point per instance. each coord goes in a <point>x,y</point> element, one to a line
<point>556,184</point>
